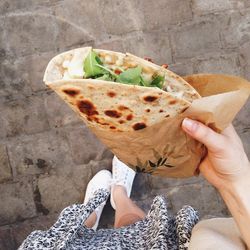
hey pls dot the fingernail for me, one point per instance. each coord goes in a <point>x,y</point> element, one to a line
<point>190,125</point>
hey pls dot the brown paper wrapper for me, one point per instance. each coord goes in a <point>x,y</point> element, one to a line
<point>164,149</point>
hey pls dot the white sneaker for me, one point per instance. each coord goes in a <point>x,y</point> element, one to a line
<point>102,180</point>
<point>122,175</point>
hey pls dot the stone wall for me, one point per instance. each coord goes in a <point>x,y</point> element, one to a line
<point>47,155</point>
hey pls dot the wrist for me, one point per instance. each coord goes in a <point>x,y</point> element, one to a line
<point>236,193</point>
<point>239,183</point>
<point>237,198</point>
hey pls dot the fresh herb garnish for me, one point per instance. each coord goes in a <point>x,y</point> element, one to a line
<point>158,81</point>
<point>94,68</point>
<point>91,63</point>
<point>130,76</point>
<point>106,77</point>
<point>107,71</point>
<point>144,82</point>
<point>98,60</point>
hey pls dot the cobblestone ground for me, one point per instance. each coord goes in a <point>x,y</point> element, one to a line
<point>47,156</point>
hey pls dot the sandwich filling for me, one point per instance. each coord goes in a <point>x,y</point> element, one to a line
<point>101,66</point>
<point>123,68</point>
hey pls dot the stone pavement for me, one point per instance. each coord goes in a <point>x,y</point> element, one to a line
<point>47,156</point>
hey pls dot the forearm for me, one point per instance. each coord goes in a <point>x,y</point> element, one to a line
<point>237,199</point>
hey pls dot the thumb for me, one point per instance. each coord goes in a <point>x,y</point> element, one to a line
<point>212,140</point>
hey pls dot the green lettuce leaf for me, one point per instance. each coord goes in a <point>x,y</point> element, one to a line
<point>144,82</point>
<point>94,68</point>
<point>91,63</point>
<point>106,77</point>
<point>157,82</point>
<point>107,71</point>
<point>130,76</point>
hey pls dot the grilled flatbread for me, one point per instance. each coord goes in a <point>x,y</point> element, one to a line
<point>106,103</point>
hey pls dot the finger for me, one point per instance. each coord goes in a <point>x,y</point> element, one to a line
<point>212,140</point>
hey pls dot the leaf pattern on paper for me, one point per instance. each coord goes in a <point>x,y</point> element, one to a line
<point>162,161</point>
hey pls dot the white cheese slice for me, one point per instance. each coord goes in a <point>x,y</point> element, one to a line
<point>66,64</point>
<point>74,68</point>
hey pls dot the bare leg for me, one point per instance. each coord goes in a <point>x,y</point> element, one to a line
<point>90,222</point>
<point>126,211</point>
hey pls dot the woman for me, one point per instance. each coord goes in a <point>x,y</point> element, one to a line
<point>226,166</point>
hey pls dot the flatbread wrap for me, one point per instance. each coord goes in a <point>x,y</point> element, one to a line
<point>136,107</point>
<point>116,91</point>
